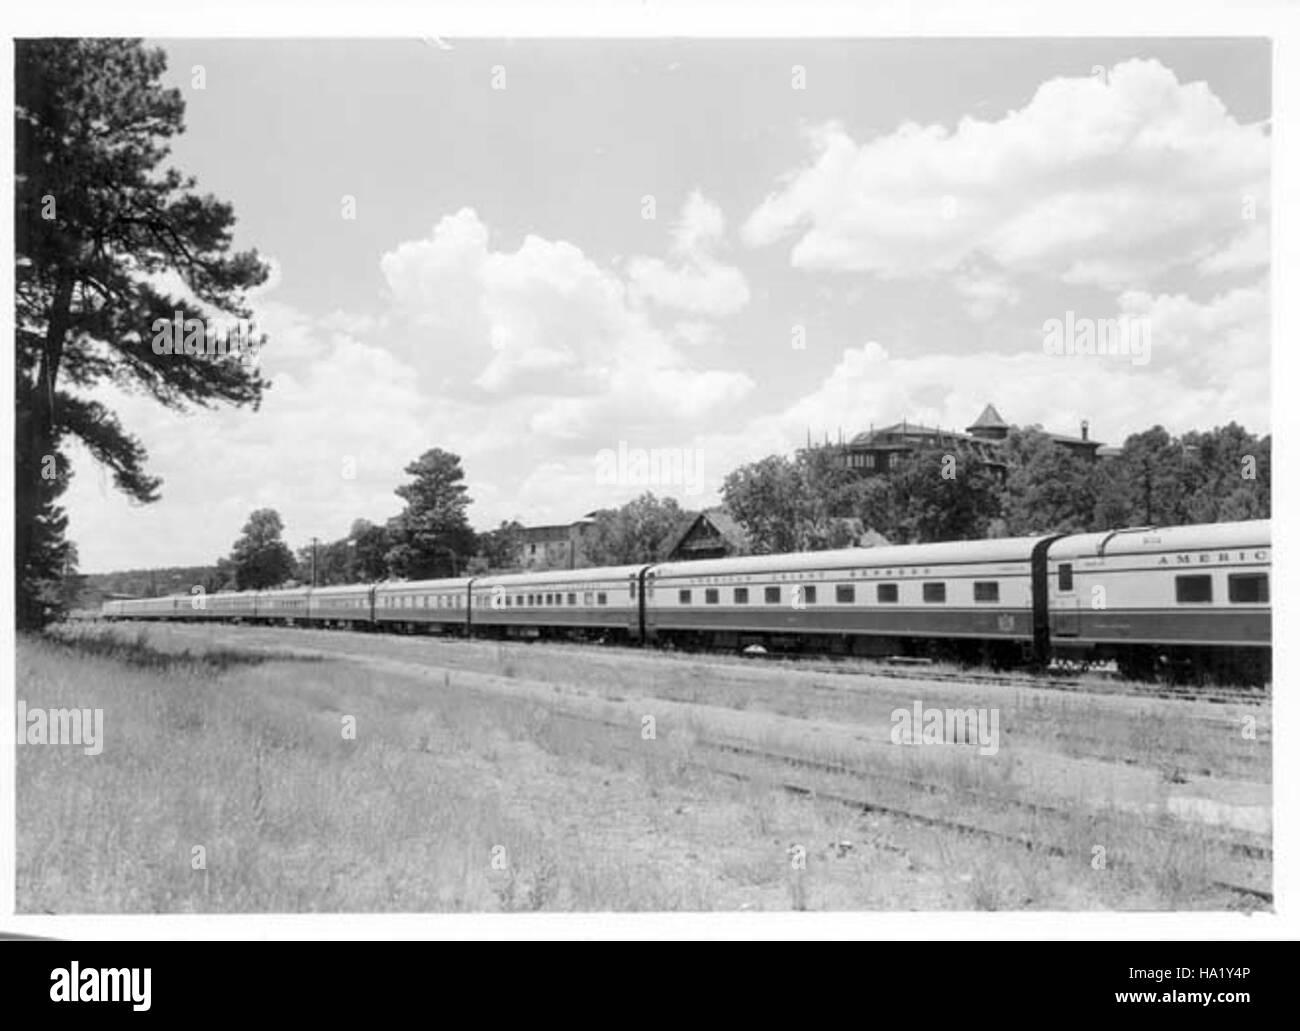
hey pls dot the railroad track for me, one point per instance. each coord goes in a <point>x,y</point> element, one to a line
<point>1244,868</point>
<point>1098,684</point>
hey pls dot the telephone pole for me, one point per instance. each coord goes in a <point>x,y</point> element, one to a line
<point>313,561</point>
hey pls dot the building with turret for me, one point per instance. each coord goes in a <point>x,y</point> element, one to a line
<point>877,451</point>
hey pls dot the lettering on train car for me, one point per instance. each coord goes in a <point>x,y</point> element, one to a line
<point>1188,558</point>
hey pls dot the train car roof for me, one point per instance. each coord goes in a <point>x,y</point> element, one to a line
<point>340,588</point>
<point>1252,533</point>
<point>1006,549</point>
<point>556,576</point>
<point>455,583</point>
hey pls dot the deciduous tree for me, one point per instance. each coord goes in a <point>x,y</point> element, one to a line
<point>260,557</point>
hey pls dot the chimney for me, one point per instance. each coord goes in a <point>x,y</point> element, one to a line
<point>1083,429</point>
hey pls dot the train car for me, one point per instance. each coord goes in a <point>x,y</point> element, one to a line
<point>231,606</point>
<point>967,600</point>
<point>347,605</point>
<point>429,606</point>
<point>599,603</point>
<point>1180,603</point>
<point>172,606</point>
<point>286,605</point>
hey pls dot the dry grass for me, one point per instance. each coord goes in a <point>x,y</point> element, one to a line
<point>248,761</point>
<point>453,798</point>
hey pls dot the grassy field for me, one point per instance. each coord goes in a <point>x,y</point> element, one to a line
<point>507,778</point>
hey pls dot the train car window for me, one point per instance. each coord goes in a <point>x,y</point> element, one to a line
<point>741,595</point>
<point>573,598</point>
<point>986,590</point>
<point>683,597</point>
<point>519,600</point>
<point>711,596</point>
<point>1194,589</point>
<point>844,593</point>
<point>631,588</point>
<point>1248,587</point>
<point>810,593</point>
<point>934,592</point>
<point>1065,577</point>
<point>772,595</point>
<point>586,598</point>
<point>507,601</point>
<point>601,598</point>
<point>887,593</point>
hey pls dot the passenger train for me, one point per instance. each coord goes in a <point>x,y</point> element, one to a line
<point>1178,603</point>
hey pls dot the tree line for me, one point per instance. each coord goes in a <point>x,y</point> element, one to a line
<point>809,502</point>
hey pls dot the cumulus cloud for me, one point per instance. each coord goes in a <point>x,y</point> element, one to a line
<point>546,326</point>
<point>1106,181</point>
<point>985,294</point>
<point>696,281</point>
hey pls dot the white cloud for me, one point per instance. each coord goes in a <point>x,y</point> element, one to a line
<point>697,282</point>
<point>549,329</point>
<point>1106,182</point>
<point>985,294</point>
<point>1243,251</point>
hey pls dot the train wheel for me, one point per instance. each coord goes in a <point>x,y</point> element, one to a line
<point>1137,663</point>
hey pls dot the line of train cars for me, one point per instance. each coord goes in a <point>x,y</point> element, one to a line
<point>1175,603</point>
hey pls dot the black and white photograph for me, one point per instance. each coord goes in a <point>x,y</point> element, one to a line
<point>555,475</point>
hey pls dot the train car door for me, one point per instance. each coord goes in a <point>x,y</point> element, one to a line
<point>1066,615</point>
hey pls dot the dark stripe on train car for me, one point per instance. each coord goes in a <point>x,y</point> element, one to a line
<point>939,621</point>
<point>1165,626</point>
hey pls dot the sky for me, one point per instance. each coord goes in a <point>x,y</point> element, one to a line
<point>537,254</point>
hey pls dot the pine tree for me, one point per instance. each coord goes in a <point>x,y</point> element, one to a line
<point>100,227</point>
